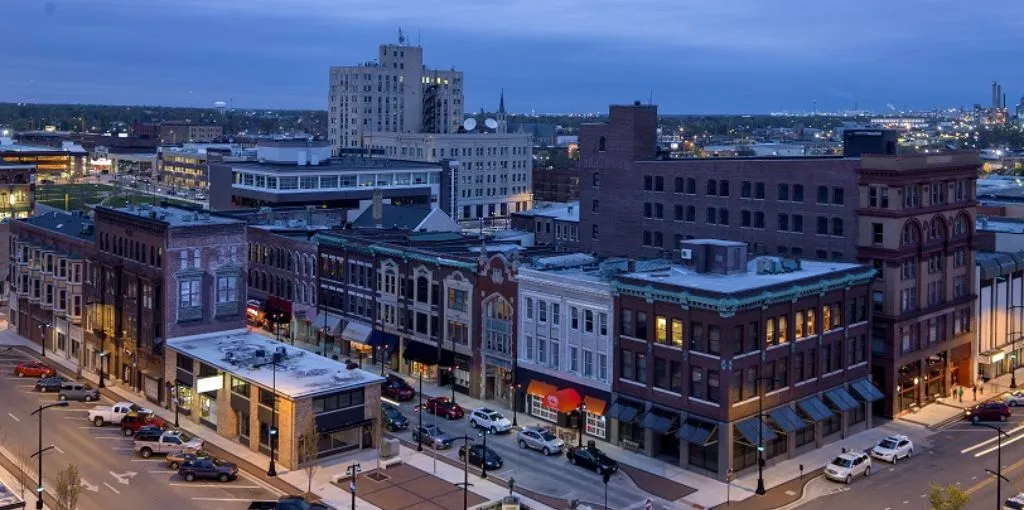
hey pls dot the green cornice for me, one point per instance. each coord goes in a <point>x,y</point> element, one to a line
<point>727,304</point>
<point>390,251</point>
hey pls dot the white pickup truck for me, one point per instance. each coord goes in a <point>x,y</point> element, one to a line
<point>102,415</point>
<point>169,441</point>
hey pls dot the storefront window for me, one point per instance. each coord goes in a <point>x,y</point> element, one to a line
<point>208,410</point>
<point>337,442</point>
<point>597,425</point>
<point>539,410</point>
<point>184,399</point>
<point>704,456</point>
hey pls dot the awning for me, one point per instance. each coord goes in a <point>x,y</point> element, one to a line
<point>656,423</point>
<point>380,338</point>
<point>420,352</point>
<point>623,412</point>
<point>565,400</point>
<point>787,420</point>
<point>327,321</point>
<point>866,391</point>
<point>357,332</point>
<point>696,431</point>
<point>595,406</point>
<point>815,409</point>
<point>540,389</point>
<point>755,431</point>
<point>841,399</point>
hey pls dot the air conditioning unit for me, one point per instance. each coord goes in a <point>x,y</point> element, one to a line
<point>685,254</point>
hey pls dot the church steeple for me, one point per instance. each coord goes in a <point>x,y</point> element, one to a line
<point>502,121</point>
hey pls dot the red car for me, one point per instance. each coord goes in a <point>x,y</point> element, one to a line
<point>441,406</point>
<point>131,423</point>
<point>988,411</point>
<point>34,369</point>
<point>395,387</point>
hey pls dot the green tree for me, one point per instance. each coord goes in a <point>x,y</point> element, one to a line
<point>947,498</point>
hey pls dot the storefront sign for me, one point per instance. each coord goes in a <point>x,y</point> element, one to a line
<point>211,383</point>
<point>996,358</point>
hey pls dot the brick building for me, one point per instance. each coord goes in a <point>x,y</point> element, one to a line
<point>48,254</point>
<point>701,345</point>
<point>556,225</point>
<point>912,216</point>
<point>282,280</point>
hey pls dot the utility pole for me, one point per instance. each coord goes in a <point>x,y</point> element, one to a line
<point>465,472</point>
<point>999,462</point>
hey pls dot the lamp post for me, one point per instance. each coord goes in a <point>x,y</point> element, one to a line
<point>380,357</point>
<point>39,452</point>
<point>103,357</point>
<point>454,366</point>
<point>999,462</point>
<point>483,462</point>
<point>175,401</point>
<point>419,411</point>
<point>274,360</point>
<point>605,478</point>
<point>582,412</point>
<point>760,434</point>
<point>515,404</point>
<point>353,471</point>
<point>42,338</point>
<point>465,472</point>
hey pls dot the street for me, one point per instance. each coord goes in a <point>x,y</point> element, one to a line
<point>550,476</point>
<point>111,472</point>
<point>960,455</point>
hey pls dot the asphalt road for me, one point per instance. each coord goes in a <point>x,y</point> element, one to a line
<point>532,470</point>
<point>959,456</point>
<point>112,474</point>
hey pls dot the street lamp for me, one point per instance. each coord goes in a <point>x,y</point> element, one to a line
<point>103,356</point>
<point>465,472</point>
<point>274,360</point>
<point>42,338</point>
<point>176,402</point>
<point>582,412</point>
<point>999,462</point>
<point>760,434</point>
<point>353,471</point>
<point>419,411</point>
<point>515,404</point>
<point>483,462</point>
<point>454,366</point>
<point>39,452</point>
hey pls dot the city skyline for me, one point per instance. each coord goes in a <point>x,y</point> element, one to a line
<point>557,57</point>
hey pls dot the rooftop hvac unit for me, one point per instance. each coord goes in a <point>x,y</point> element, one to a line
<point>685,254</point>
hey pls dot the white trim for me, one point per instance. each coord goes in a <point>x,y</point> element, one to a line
<point>702,401</point>
<point>745,402</point>
<point>668,392</point>
<point>807,381</point>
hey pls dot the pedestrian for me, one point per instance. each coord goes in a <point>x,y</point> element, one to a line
<point>961,391</point>
<point>981,386</point>
<point>975,390</point>
<point>952,392</point>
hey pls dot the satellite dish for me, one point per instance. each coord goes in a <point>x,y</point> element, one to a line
<point>491,124</point>
<point>469,124</point>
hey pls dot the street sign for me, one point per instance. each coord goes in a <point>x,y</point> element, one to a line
<point>728,475</point>
<point>648,504</point>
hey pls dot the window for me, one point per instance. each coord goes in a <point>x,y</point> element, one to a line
<point>878,196</point>
<point>227,289</point>
<point>659,183</point>
<point>709,215</point>
<point>691,186</point>
<point>588,321</point>
<point>574,317</point>
<point>641,325</point>
<point>556,314</point>
<point>837,227</point>
<point>588,363</point>
<point>798,192</point>
<point>798,224</point>
<point>627,368</point>
<point>783,222</point>
<point>712,187</point>
<point>784,192</point>
<point>626,322</point>
<point>677,332</point>
<point>822,194</point>
<point>837,196</point>
<point>822,226</point>
<point>877,233</point>
<point>594,206</point>
<point>678,185</point>
<point>758,219</point>
<point>714,340</point>
<point>529,308</point>
<point>542,310</point>
<point>648,183</point>
<point>574,359</point>
<point>697,337</point>
<point>745,189</point>
<point>745,218</point>
<point>698,388</point>
<point>723,188</point>
<point>188,294</point>
<point>661,329</point>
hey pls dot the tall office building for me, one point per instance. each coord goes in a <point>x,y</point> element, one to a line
<point>395,93</point>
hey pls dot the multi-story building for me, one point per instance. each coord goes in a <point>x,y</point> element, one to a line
<point>282,280</point>
<point>552,224</point>
<point>999,336</point>
<point>910,215</point>
<point>718,356</point>
<point>443,303</point>
<point>47,256</point>
<point>51,164</point>
<point>556,183</point>
<point>178,132</point>
<point>395,93</point>
<point>491,169</point>
<point>17,189</point>
<point>159,273</point>
<point>566,326</point>
<point>301,173</point>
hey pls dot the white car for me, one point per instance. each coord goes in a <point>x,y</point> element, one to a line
<point>848,465</point>
<point>1014,398</point>
<point>489,419</point>
<point>893,448</point>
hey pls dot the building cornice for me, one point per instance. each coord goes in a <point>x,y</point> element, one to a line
<point>381,250</point>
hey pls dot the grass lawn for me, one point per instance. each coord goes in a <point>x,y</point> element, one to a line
<point>71,196</point>
<point>141,198</point>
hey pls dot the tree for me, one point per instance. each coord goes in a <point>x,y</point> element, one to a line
<point>69,486</point>
<point>309,448</point>
<point>947,498</point>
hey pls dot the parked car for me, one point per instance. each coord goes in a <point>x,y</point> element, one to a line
<point>207,469</point>
<point>540,438</point>
<point>132,423</point>
<point>489,419</point>
<point>34,369</point>
<point>394,420</point>
<point>479,457</point>
<point>848,465</point>
<point>167,442</point>
<point>174,460</point>
<point>114,413</point>
<point>988,411</point>
<point>78,391</point>
<point>148,433</point>
<point>200,196</point>
<point>434,436</point>
<point>441,406</point>
<point>1014,398</point>
<point>287,503</point>
<point>395,387</point>
<point>893,448</point>
<point>592,458</point>
<point>46,384</point>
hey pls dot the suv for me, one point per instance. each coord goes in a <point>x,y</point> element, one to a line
<point>489,419</point>
<point>395,387</point>
<point>441,406</point>
<point>132,423</point>
<point>208,469</point>
<point>848,465</point>
<point>988,411</point>
<point>394,420</point>
<point>78,391</point>
<point>540,438</point>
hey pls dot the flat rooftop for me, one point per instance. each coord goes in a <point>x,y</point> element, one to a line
<point>69,224</point>
<point>299,374</point>
<point>999,225</point>
<point>568,211</point>
<point>177,216</point>
<point>680,276</point>
<point>335,165</point>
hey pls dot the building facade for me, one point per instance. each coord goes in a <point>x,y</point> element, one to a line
<point>179,132</point>
<point>999,333</point>
<point>51,164</point>
<point>159,273</point>
<point>282,281</point>
<point>17,189</point>
<point>394,93</point>
<point>556,225</point>
<point>48,254</point>
<point>181,169</point>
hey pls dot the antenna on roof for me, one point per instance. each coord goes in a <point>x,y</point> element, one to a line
<point>401,37</point>
<point>650,98</point>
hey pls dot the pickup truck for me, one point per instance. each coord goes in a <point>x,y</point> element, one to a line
<point>169,441</point>
<point>102,415</point>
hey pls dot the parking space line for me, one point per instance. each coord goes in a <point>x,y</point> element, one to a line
<point>13,417</point>
<point>222,499</point>
<point>266,486</point>
<point>147,460</point>
<point>227,485</point>
<point>123,449</point>
<point>162,471</point>
<point>111,438</point>
<point>111,488</point>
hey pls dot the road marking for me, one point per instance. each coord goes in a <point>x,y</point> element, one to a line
<point>147,460</point>
<point>160,471</point>
<point>994,448</point>
<point>219,485</point>
<point>990,440</point>
<point>33,386</point>
<point>974,488</point>
<point>266,486</point>
<point>13,417</point>
<point>123,478</point>
<point>110,438</point>
<point>90,487</point>
<point>55,447</point>
<point>123,449</point>
<point>221,499</point>
<point>111,488</point>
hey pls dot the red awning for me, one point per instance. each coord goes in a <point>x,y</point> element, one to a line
<point>565,400</point>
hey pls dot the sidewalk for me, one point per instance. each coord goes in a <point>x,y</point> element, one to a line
<point>292,482</point>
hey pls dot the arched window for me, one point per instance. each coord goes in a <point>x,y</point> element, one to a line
<point>312,294</point>
<point>601,142</point>
<point>936,229</point>
<point>960,227</point>
<point>311,265</point>
<point>422,289</point>
<point>910,234</point>
<point>499,309</point>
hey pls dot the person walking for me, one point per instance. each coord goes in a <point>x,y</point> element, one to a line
<point>975,390</point>
<point>961,394</point>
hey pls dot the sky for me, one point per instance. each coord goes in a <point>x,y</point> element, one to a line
<point>688,56</point>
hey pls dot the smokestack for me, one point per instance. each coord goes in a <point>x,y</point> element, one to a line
<point>378,208</point>
<point>995,95</point>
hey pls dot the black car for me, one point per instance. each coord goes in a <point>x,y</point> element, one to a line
<point>206,468</point>
<point>49,384</point>
<point>592,458</point>
<point>478,456</point>
<point>149,433</point>
<point>287,503</point>
<point>394,420</point>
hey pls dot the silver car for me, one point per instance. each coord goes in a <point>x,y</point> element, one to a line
<point>540,438</point>
<point>433,436</point>
<point>1014,398</point>
<point>77,391</point>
